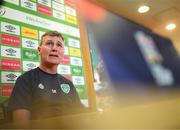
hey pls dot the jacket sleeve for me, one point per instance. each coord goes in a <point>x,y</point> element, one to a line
<point>21,95</point>
<point>75,96</point>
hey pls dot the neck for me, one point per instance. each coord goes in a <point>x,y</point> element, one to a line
<point>49,69</point>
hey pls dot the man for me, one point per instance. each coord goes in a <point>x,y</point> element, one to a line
<point>41,92</point>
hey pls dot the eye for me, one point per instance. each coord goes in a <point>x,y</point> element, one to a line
<point>59,44</point>
<point>49,43</point>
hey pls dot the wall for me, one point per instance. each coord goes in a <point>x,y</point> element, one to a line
<point>22,24</point>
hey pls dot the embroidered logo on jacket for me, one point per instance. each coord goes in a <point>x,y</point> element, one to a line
<point>65,88</point>
<point>53,90</point>
<point>41,86</point>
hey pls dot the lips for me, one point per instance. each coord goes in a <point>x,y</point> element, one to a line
<point>53,55</point>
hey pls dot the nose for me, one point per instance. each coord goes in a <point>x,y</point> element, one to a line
<point>54,47</point>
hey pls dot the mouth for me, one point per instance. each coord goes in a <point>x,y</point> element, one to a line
<point>53,55</point>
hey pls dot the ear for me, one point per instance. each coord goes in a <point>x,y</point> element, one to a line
<point>39,50</point>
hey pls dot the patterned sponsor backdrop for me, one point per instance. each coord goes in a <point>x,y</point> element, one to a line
<point>22,23</point>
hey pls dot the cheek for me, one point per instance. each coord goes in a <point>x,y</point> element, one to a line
<point>61,52</point>
<point>44,52</point>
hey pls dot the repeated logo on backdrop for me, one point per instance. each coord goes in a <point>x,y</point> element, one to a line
<point>20,34</point>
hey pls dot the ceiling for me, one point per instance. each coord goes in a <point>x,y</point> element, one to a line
<point>161,12</point>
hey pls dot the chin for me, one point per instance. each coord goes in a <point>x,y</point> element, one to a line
<point>54,63</point>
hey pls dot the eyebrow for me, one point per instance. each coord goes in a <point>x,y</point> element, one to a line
<point>52,41</point>
<point>59,42</point>
<point>49,40</point>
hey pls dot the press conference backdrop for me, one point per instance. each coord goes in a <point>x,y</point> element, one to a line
<point>133,54</point>
<point>22,23</point>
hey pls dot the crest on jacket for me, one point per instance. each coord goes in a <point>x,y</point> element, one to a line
<point>65,88</point>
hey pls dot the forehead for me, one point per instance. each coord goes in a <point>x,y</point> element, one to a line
<point>54,38</point>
